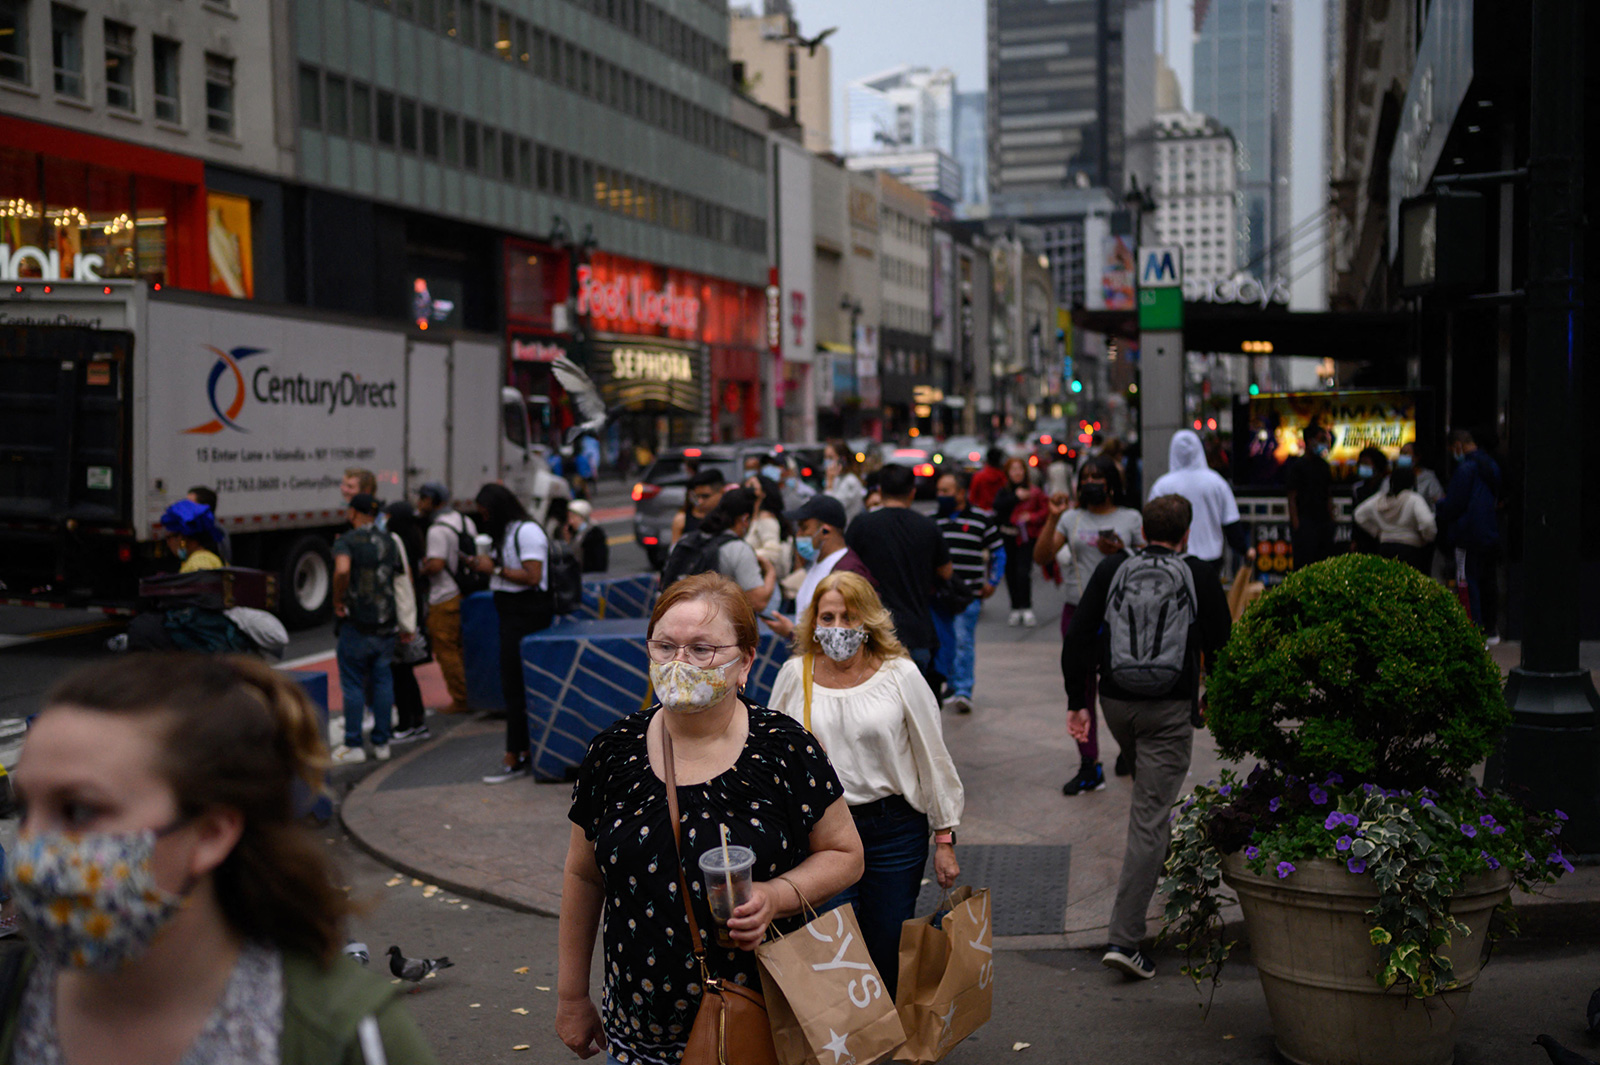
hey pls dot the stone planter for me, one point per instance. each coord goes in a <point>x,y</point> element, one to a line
<point>1309,940</point>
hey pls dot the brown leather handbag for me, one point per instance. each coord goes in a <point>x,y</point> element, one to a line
<point>731,1027</point>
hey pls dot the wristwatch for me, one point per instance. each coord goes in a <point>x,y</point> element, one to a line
<point>948,836</point>
<point>499,571</point>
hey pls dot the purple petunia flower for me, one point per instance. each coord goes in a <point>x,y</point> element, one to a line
<point>1426,802</point>
<point>1356,865</point>
<point>1498,830</point>
<point>1226,789</point>
<point>1490,860</point>
<point>1334,822</point>
<point>1318,796</point>
<point>1333,778</point>
<point>1486,820</point>
<point>1285,868</point>
<point>1274,804</point>
<point>1251,853</point>
<point>1342,844</point>
<point>1556,858</point>
<point>1352,820</point>
<point>1560,816</point>
<point>1469,830</point>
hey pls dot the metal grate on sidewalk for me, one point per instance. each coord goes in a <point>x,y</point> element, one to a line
<point>1027,883</point>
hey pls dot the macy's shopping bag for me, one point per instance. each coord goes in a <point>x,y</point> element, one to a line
<point>946,975</point>
<point>825,999</point>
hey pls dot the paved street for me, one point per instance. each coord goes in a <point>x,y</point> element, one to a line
<point>487,864</point>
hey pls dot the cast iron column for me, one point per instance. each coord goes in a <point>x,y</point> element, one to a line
<point>1553,747</point>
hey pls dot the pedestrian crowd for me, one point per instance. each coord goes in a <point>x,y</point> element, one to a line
<point>158,789</point>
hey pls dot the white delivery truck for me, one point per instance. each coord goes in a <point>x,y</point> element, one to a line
<point>115,401</point>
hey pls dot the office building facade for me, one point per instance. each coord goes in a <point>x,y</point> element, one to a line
<point>1055,95</point>
<point>972,148</point>
<point>1242,79</point>
<point>1192,163</point>
<point>774,67</point>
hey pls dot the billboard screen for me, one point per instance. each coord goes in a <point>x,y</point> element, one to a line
<point>1386,420</point>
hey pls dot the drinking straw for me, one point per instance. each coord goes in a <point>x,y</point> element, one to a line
<point>727,863</point>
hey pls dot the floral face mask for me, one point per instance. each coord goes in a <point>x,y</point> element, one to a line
<point>841,644</point>
<point>688,689</point>
<point>90,901</point>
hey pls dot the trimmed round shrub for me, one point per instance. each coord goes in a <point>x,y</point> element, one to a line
<point>1358,663</point>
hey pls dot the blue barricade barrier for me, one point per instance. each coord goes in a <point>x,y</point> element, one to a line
<point>315,684</point>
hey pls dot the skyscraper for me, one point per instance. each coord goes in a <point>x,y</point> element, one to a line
<point>1242,79</point>
<point>1055,95</point>
<point>907,107</point>
<point>972,147</point>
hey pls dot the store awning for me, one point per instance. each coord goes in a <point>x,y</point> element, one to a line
<point>1233,328</point>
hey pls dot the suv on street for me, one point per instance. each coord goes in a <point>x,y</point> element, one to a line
<point>659,494</point>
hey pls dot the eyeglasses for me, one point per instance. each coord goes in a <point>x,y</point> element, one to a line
<point>700,654</point>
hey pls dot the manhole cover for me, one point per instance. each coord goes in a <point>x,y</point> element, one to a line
<point>458,760</point>
<point>1027,883</point>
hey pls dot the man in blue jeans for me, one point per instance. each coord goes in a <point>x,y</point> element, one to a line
<point>365,560</point>
<point>978,554</point>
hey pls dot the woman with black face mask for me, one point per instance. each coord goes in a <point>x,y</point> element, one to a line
<point>1094,530</point>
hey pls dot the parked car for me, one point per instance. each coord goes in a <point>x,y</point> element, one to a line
<point>659,494</point>
<point>960,453</point>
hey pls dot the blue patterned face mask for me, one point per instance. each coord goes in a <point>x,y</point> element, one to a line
<point>90,901</point>
<point>840,644</point>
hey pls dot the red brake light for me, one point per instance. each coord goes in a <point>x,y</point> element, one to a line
<point>106,290</point>
<point>638,493</point>
<point>974,456</point>
<point>124,552</point>
<point>47,290</point>
<point>778,449</point>
<point>645,492</point>
<point>691,452</point>
<point>651,541</point>
<point>1061,449</point>
<point>1033,460</point>
<point>1045,438</point>
<point>806,472</point>
<point>924,470</point>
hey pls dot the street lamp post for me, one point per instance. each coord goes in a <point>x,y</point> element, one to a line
<point>1553,746</point>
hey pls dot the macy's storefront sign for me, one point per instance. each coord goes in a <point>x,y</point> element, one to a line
<point>48,264</point>
<point>628,298</point>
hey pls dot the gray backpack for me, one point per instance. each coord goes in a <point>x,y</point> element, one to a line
<point>1149,610</point>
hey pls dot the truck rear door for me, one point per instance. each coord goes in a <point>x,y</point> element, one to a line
<point>66,426</point>
<point>427,405</point>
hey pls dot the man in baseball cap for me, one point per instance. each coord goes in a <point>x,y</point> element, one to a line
<point>819,541</point>
<point>441,557</point>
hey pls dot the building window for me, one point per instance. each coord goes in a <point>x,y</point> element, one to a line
<point>360,112</point>
<point>451,129</point>
<point>502,36</point>
<point>541,168</point>
<point>14,41</point>
<point>219,94</point>
<point>335,105</point>
<point>448,18</point>
<point>521,45</point>
<point>119,66</point>
<point>486,27</point>
<point>430,133</point>
<point>164,55</point>
<point>508,157</point>
<point>385,123</point>
<point>66,48</point>
<point>408,125</point>
<point>427,13</point>
<point>558,171</point>
<point>525,163</point>
<point>490,154</point>
<point>310,98</point>
<point>469,145</point>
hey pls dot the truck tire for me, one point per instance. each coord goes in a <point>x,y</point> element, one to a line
<point>305,584</point>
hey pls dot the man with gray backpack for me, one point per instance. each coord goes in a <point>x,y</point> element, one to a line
<point>1147,621</point>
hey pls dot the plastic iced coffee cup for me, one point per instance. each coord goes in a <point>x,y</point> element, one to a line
<point>484,543</point>
<point>728,884</point>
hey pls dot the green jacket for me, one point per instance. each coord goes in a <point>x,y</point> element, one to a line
<point>323,1014</point>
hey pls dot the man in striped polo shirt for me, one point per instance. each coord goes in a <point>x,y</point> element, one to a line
<point>978,554</point>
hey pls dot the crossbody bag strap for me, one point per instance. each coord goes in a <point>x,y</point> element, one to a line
<point>806,669</point>
<point>671,774</point>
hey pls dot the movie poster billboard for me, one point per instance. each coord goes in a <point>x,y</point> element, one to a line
<point>1386,420</point>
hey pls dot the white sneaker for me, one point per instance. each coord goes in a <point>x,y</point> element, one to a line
<point>1028,620</point>
<point>381,752</point>
<point>346,755</point>
<point>1015,619</point>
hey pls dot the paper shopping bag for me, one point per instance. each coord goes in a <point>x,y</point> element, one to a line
<point>946,976</point>
<point>825,999</point>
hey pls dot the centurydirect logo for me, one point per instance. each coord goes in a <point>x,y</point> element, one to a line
<point>328,393</point>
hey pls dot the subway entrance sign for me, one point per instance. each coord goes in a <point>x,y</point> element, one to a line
<point>1160,288</point>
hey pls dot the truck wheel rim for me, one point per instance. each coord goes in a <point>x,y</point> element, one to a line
<point>310,582</point>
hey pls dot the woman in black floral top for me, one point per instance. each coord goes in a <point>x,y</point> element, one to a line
<point>739,765</point>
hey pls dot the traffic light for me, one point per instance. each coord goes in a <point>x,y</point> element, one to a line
<point>1077,385</point>
<point>1255,389</point>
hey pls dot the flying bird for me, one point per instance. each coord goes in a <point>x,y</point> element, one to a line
<point>811,44</point>
<point>585,395</point>
<point>358,951</point>
<point>415,970</point>
<point>1560,1055</point>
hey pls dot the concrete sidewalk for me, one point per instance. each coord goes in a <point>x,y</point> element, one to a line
<point>428,813</point>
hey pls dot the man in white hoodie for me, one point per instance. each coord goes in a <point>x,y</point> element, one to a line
<point>1216,515</point>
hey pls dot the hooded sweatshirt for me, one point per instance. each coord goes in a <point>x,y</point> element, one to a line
<point>1403,519</point>
<point>1188,476</point>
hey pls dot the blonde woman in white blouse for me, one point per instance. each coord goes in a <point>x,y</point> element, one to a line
<point>855,687</point>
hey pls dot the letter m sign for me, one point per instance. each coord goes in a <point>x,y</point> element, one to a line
<point>1161,267</point>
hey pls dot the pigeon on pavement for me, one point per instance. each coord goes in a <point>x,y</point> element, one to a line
<point>358,951</point>
<point>415,969</point>
<point>1560,1055</point>
<point>1594,1014</point>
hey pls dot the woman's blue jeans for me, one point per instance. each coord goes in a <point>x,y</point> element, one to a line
<point>895,837</point>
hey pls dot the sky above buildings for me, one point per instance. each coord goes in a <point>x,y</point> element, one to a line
<point>875,35</point>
